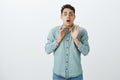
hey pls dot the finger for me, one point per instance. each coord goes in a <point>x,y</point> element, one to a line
<point>60,27</point>
<point>76,27</point>
<point>70,30</point>
<point>61,30</point>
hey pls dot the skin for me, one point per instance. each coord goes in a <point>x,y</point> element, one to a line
<point>68,17</point>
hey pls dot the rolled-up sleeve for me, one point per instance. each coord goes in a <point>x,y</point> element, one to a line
<point>51,44</point>
<point>83,45</point>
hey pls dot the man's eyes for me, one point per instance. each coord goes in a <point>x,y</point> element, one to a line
<point>65,14</point>
<point>68,14</point>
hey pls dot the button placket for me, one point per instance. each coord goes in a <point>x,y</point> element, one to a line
<point>67,57</point>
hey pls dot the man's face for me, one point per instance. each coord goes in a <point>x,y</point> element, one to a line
<point>68,17</point>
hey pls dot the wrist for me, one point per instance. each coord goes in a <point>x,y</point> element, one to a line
<point>58,40</point>
<point>76,41</point>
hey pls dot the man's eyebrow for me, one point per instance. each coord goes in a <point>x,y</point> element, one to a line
<point>65,12</point>
<point>71,12</point>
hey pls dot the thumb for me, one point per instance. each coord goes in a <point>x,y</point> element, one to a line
<point>60,27</point>
<point>71,31</point>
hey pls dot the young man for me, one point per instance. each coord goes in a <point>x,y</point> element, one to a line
<point>67,42</point>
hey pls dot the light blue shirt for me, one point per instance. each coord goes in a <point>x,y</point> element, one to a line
<point>67,55</point>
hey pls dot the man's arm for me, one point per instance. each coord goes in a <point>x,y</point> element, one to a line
<point>53,43</point>
<point>82,44</point>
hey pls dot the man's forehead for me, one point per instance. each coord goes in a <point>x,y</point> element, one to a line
<point>67,10</point>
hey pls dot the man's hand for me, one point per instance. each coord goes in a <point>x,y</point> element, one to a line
<point>74,34</point>
<point>61,34</point>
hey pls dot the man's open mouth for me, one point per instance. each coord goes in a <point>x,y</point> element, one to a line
<point>67,20</point>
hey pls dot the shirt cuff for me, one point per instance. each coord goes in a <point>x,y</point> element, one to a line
<point>79,46</point>
<point>55,44</point>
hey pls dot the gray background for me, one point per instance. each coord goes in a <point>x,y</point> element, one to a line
<point>24,26</point>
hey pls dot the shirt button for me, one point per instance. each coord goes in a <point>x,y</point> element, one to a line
<point>67,40</point>
<point>66,68</point>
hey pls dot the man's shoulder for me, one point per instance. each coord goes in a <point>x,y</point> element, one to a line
<point>82,29</point>
<point>55,28</point>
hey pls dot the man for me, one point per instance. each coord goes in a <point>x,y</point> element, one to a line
<point>67,42</point>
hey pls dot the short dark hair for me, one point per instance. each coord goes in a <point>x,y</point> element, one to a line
<point>67,6</point>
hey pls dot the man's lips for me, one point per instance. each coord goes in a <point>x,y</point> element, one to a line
<point>67,20</point>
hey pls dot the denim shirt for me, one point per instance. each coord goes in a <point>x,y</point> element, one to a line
<point>67,55</point>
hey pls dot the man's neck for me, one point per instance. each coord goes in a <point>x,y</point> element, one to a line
<point>69,27</point>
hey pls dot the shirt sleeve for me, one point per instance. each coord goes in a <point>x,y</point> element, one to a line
<point>51,44</point>
<point>83,45</point>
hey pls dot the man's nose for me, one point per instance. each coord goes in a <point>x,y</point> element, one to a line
<point>68,15</point>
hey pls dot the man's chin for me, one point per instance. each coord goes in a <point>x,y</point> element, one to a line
<point>68,25</point>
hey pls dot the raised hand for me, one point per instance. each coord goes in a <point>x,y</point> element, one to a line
<point>74,33</point>
<point>61,34</point>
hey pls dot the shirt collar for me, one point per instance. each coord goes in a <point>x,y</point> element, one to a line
<point>73,27</point>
